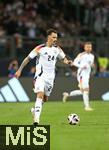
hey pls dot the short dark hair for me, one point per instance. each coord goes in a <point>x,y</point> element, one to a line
<point>87,43</point>
<point>49,31</point>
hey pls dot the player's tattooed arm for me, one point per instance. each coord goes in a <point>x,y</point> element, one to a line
<point>23,64</point>
<point>31,55</point>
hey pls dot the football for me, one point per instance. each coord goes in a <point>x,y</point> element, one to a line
<point>73,119</point>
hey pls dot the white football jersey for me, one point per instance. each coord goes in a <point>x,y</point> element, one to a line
<point>47,60</point>
<point>84,62</point>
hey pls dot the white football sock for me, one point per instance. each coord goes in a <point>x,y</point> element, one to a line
<point>38,108</point>
<point>75,92</point>
<point>86,99</point>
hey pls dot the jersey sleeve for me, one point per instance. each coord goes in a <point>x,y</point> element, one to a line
<point>61,54</point>
<point>35,51</point>
<point>76,61</point>
<point>92,61</point>
<point>32,54</point>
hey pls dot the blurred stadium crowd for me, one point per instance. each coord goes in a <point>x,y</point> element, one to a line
<point>30,19</point>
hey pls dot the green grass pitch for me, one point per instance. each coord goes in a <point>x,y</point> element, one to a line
<point>91,134</point>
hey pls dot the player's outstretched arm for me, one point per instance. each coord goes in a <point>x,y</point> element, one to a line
<point>23,64</point>
<point>31,55</point>
<point>63,57</point>
<point>68,62</point>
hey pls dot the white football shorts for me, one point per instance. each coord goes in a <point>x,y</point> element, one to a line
<point>83,82</point>
<point>41,85</point>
